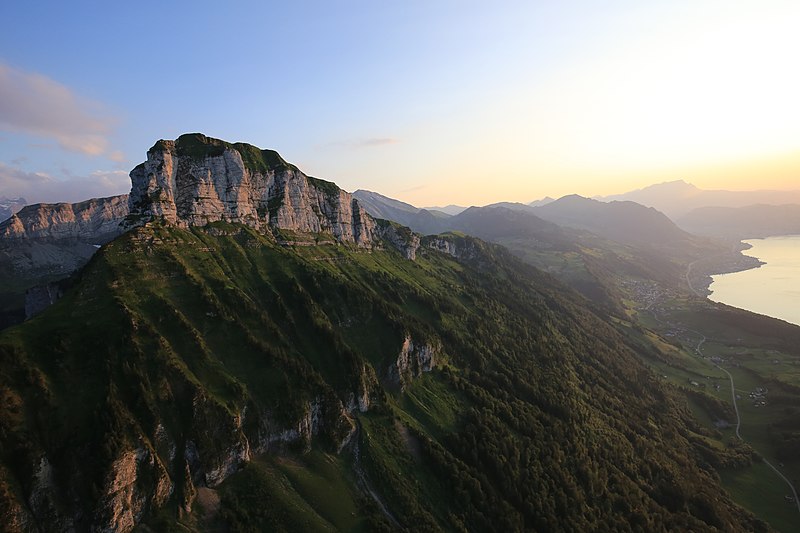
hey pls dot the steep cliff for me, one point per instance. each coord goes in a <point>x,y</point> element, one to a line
<point>191,181</point>
<point>94,221</point>
<point>195,180</point>
<point>414,359</point>
<point>44,243</point>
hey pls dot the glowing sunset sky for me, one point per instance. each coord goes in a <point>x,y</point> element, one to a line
<point>431,102</point>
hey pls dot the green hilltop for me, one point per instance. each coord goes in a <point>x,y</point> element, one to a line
<point>199,146</point>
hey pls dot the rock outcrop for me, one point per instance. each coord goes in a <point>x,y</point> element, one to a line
<point>451,244</point>
<point>195,180</point>
<point>94,221</point>
<point>125,496</point>
<point>399,237</point>
<point>414,359</point>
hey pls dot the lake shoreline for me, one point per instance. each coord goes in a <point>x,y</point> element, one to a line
<point>728,263</point>
<point>771,288</point>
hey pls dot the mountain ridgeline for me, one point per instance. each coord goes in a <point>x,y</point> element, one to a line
<point>590,245</point>
<point>257,353</point>
<point>192,180</point>
<point>749,222</point>
<point>9,206</point>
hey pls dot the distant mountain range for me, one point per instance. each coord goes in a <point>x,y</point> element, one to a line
<point>451,209</point>
<point>418,219</point>
<point>766,213</point>
<point>586,243</point>
<point>544,201</point>
<point>625,222</point>
<point>677,198</point>
<point>622,221</point>
<point>750,222</point>
<point>9,206</point>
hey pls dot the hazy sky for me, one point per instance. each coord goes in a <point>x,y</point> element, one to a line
<point>431,102</point>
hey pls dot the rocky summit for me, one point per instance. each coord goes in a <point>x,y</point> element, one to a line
<point>191,181</point>
<point>195,180</point>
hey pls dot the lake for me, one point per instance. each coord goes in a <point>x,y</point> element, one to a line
<point>774,288</point>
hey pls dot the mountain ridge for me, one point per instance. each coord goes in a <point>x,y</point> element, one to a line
<point>193,180</point>
<point>747,222</point>
<point>196,180</point>
<point>677,198</point>
<point>9,206</point>
<point>622,221</point>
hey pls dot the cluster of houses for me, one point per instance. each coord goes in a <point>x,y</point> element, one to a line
<point>759,397</point>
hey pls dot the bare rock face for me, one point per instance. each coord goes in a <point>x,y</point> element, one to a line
<point>400,237</point>
<point>96,221</point>
<point>453,245</point>
<point>126,498</point>
<point>414,359</point>
<point>195,180</point>
<point>46,242</point>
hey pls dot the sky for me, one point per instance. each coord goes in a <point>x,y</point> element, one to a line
<point>429,101</point>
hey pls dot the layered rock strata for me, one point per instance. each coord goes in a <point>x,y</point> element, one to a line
<point>95,221</point>
<point>195,180</point>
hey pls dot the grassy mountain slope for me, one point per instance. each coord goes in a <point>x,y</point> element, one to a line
<point>592,264</point>
<point>181,356</point>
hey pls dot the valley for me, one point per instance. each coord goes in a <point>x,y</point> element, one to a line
<point>759,385</point>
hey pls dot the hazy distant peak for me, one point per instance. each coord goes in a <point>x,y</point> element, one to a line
<point>544,201</point>
<point>572,199</point>
<point>451,209</point>
<point>676,198</point>
<point>9,206</point>
<point>674,184</point>
<point>365,196</point>
<point>513,206</point>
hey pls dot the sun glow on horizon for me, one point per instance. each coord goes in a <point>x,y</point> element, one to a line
<point>431,103</point>
<point>708,94</point>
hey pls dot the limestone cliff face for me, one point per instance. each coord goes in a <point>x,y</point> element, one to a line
<point>451,244</point>
<point>166,463</point>
<point>46,242</point>
<point>195,180</point>
<point>414,359</point>
<point>96,221</point>
<point>399,237</point>
<point>125,496</point>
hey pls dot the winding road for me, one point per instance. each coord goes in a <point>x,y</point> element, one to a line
<point>699,350</point>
